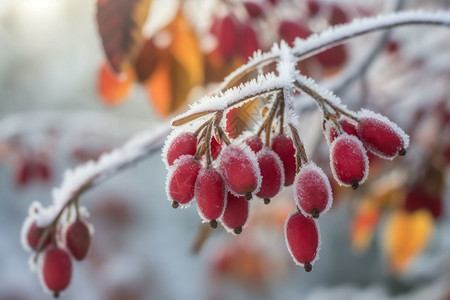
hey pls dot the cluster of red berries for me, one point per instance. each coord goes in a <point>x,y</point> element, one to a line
<point>56,247</point>
<point>230,176</point>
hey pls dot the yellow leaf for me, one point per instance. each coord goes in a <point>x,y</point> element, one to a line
<point>406,236</point>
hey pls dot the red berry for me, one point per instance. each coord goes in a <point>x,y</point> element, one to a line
<point>418,198</point>
<point>254,9</point>
<point>289,30</point>
<point>338,16</point>
<point>284,147</point>
<point>334,57</point>
<point>272,174</point>
<point>210,193</point>
<point>349,162</point>
<point>313,7</point>
<point>249,42</point>
<point>236,213</point>
<point>239,167</point>
<point>181,179</point>
<point>255,143</point>
<point>312,190</point>
<point>381,136</point>
<point>185,143</point>
<point>227,33</point>
<point>56,269</point>
<point>78,239</point>
<point>302,239</point>
<point>34,234</point>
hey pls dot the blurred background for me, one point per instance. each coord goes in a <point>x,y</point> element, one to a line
<point>79,78</point>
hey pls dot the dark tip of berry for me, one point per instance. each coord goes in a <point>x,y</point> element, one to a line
<point>213,223</point>
<point>354,184</point>
<point>56,294</point>
<point>315,213</point>
<point>308,267</point>
<point>266,201</point>
<point>402,152</point>
<point>175,204</point>
<point>248,196</point>
<point>237,230</point>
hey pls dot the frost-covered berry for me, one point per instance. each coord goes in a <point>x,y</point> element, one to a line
<point>312,190</point>
<point>284,147</point>
<point>272,174</point>
<point>78,239</point>
<point>381,136</point>
<point>236,214</point>
<point>56,269</point>
<point>239,168</point>
<point>349,161</point>
<point>255,143</point>
<point>185,143</point>
<point>34,234</point>
<point>302,239</point>
<point>210,193</point>
<point>181,180</point>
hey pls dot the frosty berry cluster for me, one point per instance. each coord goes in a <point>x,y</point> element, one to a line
<point>55,246</point>
<point>223,174</point>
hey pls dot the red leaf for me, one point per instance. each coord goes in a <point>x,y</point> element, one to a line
<point>119,24</point>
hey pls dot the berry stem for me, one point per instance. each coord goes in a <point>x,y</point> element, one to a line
<point>300,153</point>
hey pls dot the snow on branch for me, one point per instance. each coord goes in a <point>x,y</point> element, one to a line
<point>304,48</point>
<point>92,173</point>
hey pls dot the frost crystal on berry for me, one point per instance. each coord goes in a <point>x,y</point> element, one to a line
<point>381,136</point>
<point>181,180</point>
<point>349,161</point>
<point>210,193</point>
<point>239,168</point>
<point>272,174</point>
<point>312,190</point>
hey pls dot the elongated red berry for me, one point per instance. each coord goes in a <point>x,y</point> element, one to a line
<point>227,32</point>
<point>239,168</point>
<point>56,269</point>
<point>312,190</point>
<point>349,161</point>
<point>254,9</point>
<point>302,239</point>
<point>334,57</point>
<point>255,143</point>
<point>290,30</point>
<point>210,193</point>
<point>272,174</point>
<point>78,239</point>
<point>249,42</point>
<point>181,180</point>
<point>381,136</point>
<point>185,143</point>
<point>284,147</point>
<point>34,235</point>
<point>236,214</point>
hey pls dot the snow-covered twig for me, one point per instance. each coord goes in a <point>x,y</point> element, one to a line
<point>304,48</point>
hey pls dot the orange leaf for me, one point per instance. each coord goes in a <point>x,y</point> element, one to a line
<point>119,24</point>
<point>363,225</point>
<point>179,67</point>
<point>111,87</point>
<point>406,236</point>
